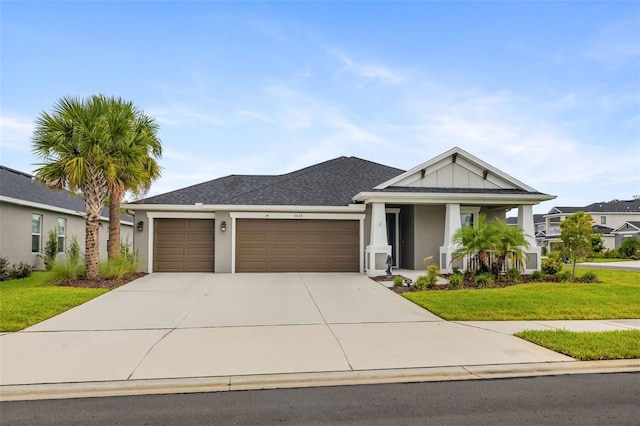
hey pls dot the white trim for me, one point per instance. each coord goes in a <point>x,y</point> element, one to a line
<point>247,208</point>
<point>168,215</point>
<point>51,208</point>
<point>446,198</point>
<point>293,216</point>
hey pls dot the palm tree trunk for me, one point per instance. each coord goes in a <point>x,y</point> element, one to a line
<point>94,192</point>
<point>113,244</point>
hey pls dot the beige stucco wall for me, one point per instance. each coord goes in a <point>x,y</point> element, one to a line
<point>15,233</point>
<point>494,214</point>
<point>223,243</point>
<point>428,232</point>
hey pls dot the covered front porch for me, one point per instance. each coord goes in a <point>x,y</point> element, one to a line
<point>409,233</point>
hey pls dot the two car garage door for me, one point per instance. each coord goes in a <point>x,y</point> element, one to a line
<point>262,245</point>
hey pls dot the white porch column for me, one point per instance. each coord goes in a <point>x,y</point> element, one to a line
<point>525,221</point>
<point>378,248</point>
<point>451,224</point>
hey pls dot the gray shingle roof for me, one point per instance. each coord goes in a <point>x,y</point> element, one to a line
<point>331,183</point>
<point>23,186</point>
<point>454,190</point>
<point>622,206</point>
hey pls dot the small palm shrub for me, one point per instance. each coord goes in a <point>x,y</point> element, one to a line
<point>397,281</point>
<point>564,276</point>
<point>552,264</point>
<point>484,280</point>
<point>456,280</point>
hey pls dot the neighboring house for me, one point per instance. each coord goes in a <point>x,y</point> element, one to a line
<point>608,218</point>
<point>29,210</point>
<point>539,227</point>
<point>345,214</point>
<point>629,229</point>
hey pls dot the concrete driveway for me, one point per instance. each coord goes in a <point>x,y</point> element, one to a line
<point>201,325</point>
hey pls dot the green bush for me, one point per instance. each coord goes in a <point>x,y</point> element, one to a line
<point>397,281</point>
<point>19,270</point>
<point>484,280</point>
<point>73,252</point>
<point>50,250</point>
<point>537,275</point>
<point>589,277</point>
<point>421,282</point>
<point>67,271</point>
<point>564,276</point>
<point>432,275</point>
<point>116,269</point>
<point>4,268</point>
<point>629,247</point>
<point>456,280</point>
<point>552,264</point>
<point>611,254</point>
<point>543,251</point>
<point>513,274</point>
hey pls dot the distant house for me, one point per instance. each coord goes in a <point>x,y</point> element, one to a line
<point>610,220</point>
<point>29,210</point>
<point>629,229</point>
<point>539,227</point>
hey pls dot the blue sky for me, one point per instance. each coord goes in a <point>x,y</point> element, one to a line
<point>548,92</point>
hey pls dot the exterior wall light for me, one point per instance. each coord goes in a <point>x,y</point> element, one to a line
<point>223,226</point>
<point>140,226</point>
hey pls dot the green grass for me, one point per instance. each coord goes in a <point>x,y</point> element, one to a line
<point>616,296</point>
<point>30,300</point>
<point>588,345</point>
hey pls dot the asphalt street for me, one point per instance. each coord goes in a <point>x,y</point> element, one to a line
<point>588,399</point>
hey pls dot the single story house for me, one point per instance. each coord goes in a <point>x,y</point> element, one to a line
<point>609,221</point>
<point>29,210</point>
<point>345,214</point>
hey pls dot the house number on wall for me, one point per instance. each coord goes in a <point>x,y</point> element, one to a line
<point>298,215</point>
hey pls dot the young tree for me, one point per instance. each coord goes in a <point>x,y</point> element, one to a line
<point>576,232</point>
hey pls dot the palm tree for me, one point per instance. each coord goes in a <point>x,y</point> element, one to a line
<point>477,240</point>
<point>70,143</point>
<point>510,246</point>
<point>133,147</point>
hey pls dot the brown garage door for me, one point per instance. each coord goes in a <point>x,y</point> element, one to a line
<point>183,245</point>
<point>274,245</point>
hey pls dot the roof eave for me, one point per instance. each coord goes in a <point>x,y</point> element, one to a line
<point>443,198</point>
<point>246,208</point>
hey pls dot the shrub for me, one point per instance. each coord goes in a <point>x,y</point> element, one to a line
<point>629,247</point>
<point>397,281</point>
<point>50,250</point>
<point>73,252</point>
<point>543,251</point>
<point>67,271</point>
<point>589,277</point>
<point>537,275</point>
<point>611,254</point>
<point>552,264</point>
<point>4,268</point>
<point>564,276</point>
<point>421,282</point>
<point>513,274</point>
<point>484,280</point>
<point>116,269</point>
<point>456,280</point>
<point>432,275</point>
<point>468,274</point>
<point>19,270</point>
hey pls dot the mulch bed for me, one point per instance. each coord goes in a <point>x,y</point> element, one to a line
<point>104,283</point>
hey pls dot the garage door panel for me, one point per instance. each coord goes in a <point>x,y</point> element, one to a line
<point>183,245</point>
<point>277,245</point>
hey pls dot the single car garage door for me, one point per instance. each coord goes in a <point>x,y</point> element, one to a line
<point>292,245</point>
<point>183,245</point>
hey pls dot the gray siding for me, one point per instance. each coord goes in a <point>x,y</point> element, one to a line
<point>428,233</point>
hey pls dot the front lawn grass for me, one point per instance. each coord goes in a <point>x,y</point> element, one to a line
<point>588,345</point>
<point>616,296</point>
<point>606,260</point>
<point>28,301</point>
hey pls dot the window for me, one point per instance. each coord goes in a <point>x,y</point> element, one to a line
<point>36,232</point>
<point>466,219</point>
<point>603,220</point>
<point>62,233</point>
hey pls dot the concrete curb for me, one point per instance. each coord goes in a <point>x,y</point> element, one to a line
<point>299,380</point>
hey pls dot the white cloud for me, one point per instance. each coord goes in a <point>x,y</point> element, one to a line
<point>16,133</point>
<point>367,72</point>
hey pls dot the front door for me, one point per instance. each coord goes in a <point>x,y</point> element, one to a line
<point>393,234</point>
